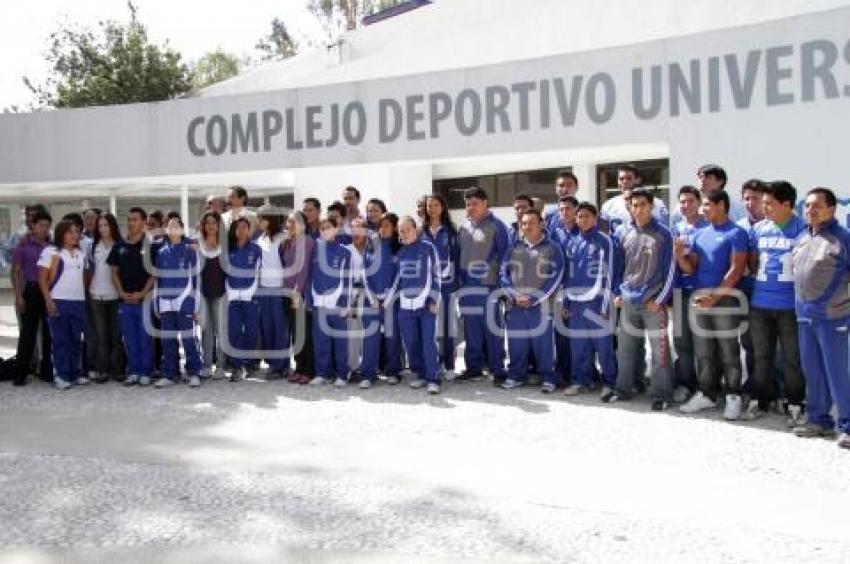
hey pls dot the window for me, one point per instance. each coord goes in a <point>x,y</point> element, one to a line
<point>501,188</point>
<point>655,174</point>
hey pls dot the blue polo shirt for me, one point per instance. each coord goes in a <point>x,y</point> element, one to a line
<point>686,231</point>
<point>773,286</point>
<point>715,245</point>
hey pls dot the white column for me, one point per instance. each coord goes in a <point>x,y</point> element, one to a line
<point>184,204</point>
<point>113,205</point>
<point>586,174</point>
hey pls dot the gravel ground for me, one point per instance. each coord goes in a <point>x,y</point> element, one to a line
<point>269,471</point>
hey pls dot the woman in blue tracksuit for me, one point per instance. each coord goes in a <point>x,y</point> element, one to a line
<point>439,230</point>
<point>274,328</point>
<point>380,317</point>
<point>244,259</point>
<point>330,299</point>
<point>61,278</point>
<point>176,303</point>
<point>417,290</point>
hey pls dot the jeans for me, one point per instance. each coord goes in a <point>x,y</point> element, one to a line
<point>110,350</point>
<point>636,323</point>
<point>767,326</point>
<point>34,314</point>
<point>685,367</point>
<point>714,351</point>
<point>211,330</point>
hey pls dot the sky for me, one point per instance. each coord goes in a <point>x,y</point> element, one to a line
<point>192,26</point>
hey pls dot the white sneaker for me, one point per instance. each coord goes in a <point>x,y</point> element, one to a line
<point>753,411</point>
<point>81,381</point>
<point>796,416</point>
<point>318,381</point>
<point>681,394</point>
<point>449,375</point>
<point>698,402</point>
<point>164,383</point>
<point>417,383</point>
<point>732,411</point>
<point>573,390</point>
<point>511,384</point>
<point>433,388</point>
<point>61,384</point>
<point>92,375</point>
<point>206,372</point>
<point>340,382</point>
<point>365,384</point>
<point>547,387</point>
<point>131,380</point>
<point>393,380</point>
<point>144,380</point>
<point>218,373</point>
<point>194,381</point>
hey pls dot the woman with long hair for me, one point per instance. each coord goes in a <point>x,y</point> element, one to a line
<point>244,259</point>
<point>440,231</point>
<point>212,291</point>
<point>104,300</point>
<point>274,329</point>
<point>298,249</point>
<point>380,314</point>
<point>61,278</point>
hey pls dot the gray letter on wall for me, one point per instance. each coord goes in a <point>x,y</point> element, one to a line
<point>439,108</point>
<point>385,134</point>
<point>811,70</point>
<point>609,96</point>
<point>354,112</point>
<point>272,124</point>
<point>690,91</point>
<point>241,137</point>
<point>475,110</point>
<point>776,74</point>
<point>497,108</point>
<point>191,136</point>
<point>641,111</point>
<point>414,115</point>
<point>216,146</point>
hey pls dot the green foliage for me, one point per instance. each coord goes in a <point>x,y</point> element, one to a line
<point>213,67</point>
<point>117,64</point>
<point>278,44</point>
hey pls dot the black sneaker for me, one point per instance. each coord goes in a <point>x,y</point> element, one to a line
<point>659,405</point>
<point>469,376</point>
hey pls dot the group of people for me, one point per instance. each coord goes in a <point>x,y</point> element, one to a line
<point>569,293</point>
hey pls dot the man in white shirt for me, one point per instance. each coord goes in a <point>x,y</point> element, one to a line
<point>712,178</point>
<point>615,212</point>
<point>237,198</point>
<point>351,199</point>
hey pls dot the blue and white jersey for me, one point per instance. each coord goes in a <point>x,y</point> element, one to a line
<point>592,271</point>
<point>482,246</point>
<point>418,281</point>
<point>564,236</point>
<point>243,271</point>
<point>615,212</point>
<point>535,270</point>
<point>748,278</point>
<point>177,279</point>
<point>551,218</point>
<point>381,267</point>
<point>737,212</point>
<point>69,275</point>
<point>687,232</point>
<point>446,243</point>
<point>821,268</point>
<point>773,283</point>
<point>514,233</point>
<point>330,283</point>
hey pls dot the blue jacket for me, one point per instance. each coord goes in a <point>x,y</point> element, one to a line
<point>533,270</point>
<point>648,262</point>
<point>177,279</point>
<point>448,251</point>
<point>381,267</point>
<point>243,272</point>
<point>593,271</point>
<point>330,284</point>
<point>417,283</point>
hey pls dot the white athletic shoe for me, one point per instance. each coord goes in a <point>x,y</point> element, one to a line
<point>144,380</point>
<point>365,384</point>
<point>164,383</point>
<point>219,373</point>
<point>573,390</point>
<point>131,380</point>
<point>732,411</point>
<point>318,381</point>
<point>61,384</point>
<point>417,383</point>
<point>206,372</point>
<point>194,381</point>
<point>511,384</point>
<point>81,381</point>
<point>433,388</point>
<point>340,382</point>
<point>754,411</point>
<point>92,375</point>
<point>449,375</point>
<point>393,380</point>
<point>698,402</point>
<point>547,387</point>
<point>796,415</point>
<point>681,394</point>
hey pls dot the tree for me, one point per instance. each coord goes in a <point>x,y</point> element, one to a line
<point>115,65</point>
<point>213,67</point>
<point>279,44</point>
<point>339,16</point>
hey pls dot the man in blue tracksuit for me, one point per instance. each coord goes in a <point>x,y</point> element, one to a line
<point>177,302</point>
<point>522,203</point>
<point>483,241</point>
<point>562,229</point>
<point>531,272</point>
<point>649,271</point>
<point>589,281</point>
<point>821,267</point>
<point>380,319</point>
<point>417,290</point>
<point>330,299</point>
